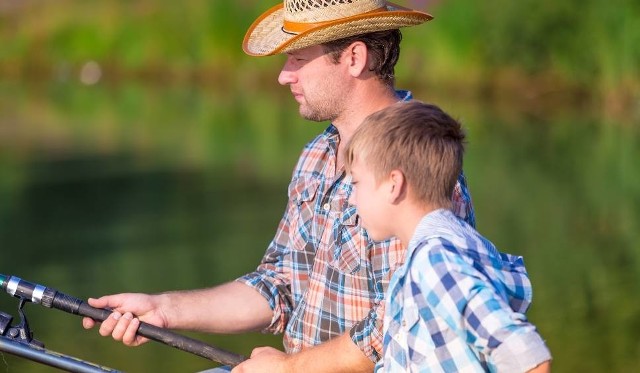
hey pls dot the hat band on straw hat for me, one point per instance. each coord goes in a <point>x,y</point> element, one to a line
<point>284,28</point>
<point>300,27</point>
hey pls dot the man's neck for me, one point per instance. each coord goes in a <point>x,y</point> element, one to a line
<point>365,100</point>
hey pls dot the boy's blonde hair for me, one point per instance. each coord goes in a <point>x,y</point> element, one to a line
<point>420,140</point>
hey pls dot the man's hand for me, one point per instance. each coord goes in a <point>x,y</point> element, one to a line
<point>339,355</point>
<point>128,310</point>
<point>264,359</point>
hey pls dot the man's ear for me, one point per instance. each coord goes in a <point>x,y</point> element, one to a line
<point>397,186</point>
<point>357,55</point>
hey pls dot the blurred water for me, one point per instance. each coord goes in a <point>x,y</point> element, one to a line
<point>147,188</point>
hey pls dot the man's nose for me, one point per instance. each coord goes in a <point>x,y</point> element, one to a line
<point>286,77</point>
<point>287,74</point>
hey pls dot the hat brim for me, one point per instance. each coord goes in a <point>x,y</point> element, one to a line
<point>266,36</point>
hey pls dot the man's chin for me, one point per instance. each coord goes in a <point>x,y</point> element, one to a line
<point>306,114</point>
<point>313,115</point>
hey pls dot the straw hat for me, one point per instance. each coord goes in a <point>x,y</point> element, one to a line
<point>297,24</point>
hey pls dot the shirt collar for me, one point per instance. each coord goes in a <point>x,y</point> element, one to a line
<point>431,224</point>
<point>404,95</point>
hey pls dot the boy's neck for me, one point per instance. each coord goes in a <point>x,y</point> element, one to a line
<point>409,219</point>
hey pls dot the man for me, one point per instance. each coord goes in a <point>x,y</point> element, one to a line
<point>321,281</point>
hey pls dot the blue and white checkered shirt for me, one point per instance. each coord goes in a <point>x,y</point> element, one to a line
<point>457,305</point>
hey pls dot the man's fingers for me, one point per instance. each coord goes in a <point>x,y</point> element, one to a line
<point>109,324</point>
<point>88,323</point>
<point>129,337</point>
<point>121,326</point>
<point>101,302</point>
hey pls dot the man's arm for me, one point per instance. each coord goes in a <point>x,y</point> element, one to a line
<point>337,355</point>
<point>229,308</point>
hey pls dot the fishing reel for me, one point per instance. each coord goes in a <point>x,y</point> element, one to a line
<point>21,332</point>
<point>18,340</point>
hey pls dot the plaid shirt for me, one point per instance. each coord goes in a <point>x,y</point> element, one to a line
<point>321,274</point>
<point>457,305</point>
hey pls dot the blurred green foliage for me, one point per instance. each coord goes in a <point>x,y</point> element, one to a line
<point>588,47</point>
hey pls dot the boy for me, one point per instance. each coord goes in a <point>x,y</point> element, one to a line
<point>457,304</point>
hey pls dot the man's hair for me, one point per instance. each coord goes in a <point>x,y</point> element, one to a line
<point>420,140</point>
<point>383,48</point>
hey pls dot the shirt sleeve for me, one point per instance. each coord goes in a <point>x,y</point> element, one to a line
<point>521,353</point>
<point>367,334</point>
<point>469,303</point>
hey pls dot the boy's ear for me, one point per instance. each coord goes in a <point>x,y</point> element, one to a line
<point>397,186</point>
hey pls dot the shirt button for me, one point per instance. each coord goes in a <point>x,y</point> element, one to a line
<point>326,207</point>
<point>404,322</point>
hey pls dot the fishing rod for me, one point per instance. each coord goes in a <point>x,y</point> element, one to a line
<point>18,340</point>
<point>52,298</point>
<point>51,358</point>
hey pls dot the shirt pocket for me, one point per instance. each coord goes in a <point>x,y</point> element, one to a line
<point>413,336</point>
<point>302,194</point>
<point>350,243</point>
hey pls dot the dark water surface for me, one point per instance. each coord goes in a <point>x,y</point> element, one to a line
<point>139,188</point>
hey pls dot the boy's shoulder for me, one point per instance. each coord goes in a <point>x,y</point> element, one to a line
<point>441,230</point>
<point>454,250</point>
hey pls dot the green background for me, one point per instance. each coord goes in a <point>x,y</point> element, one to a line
<point>141,150</point>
